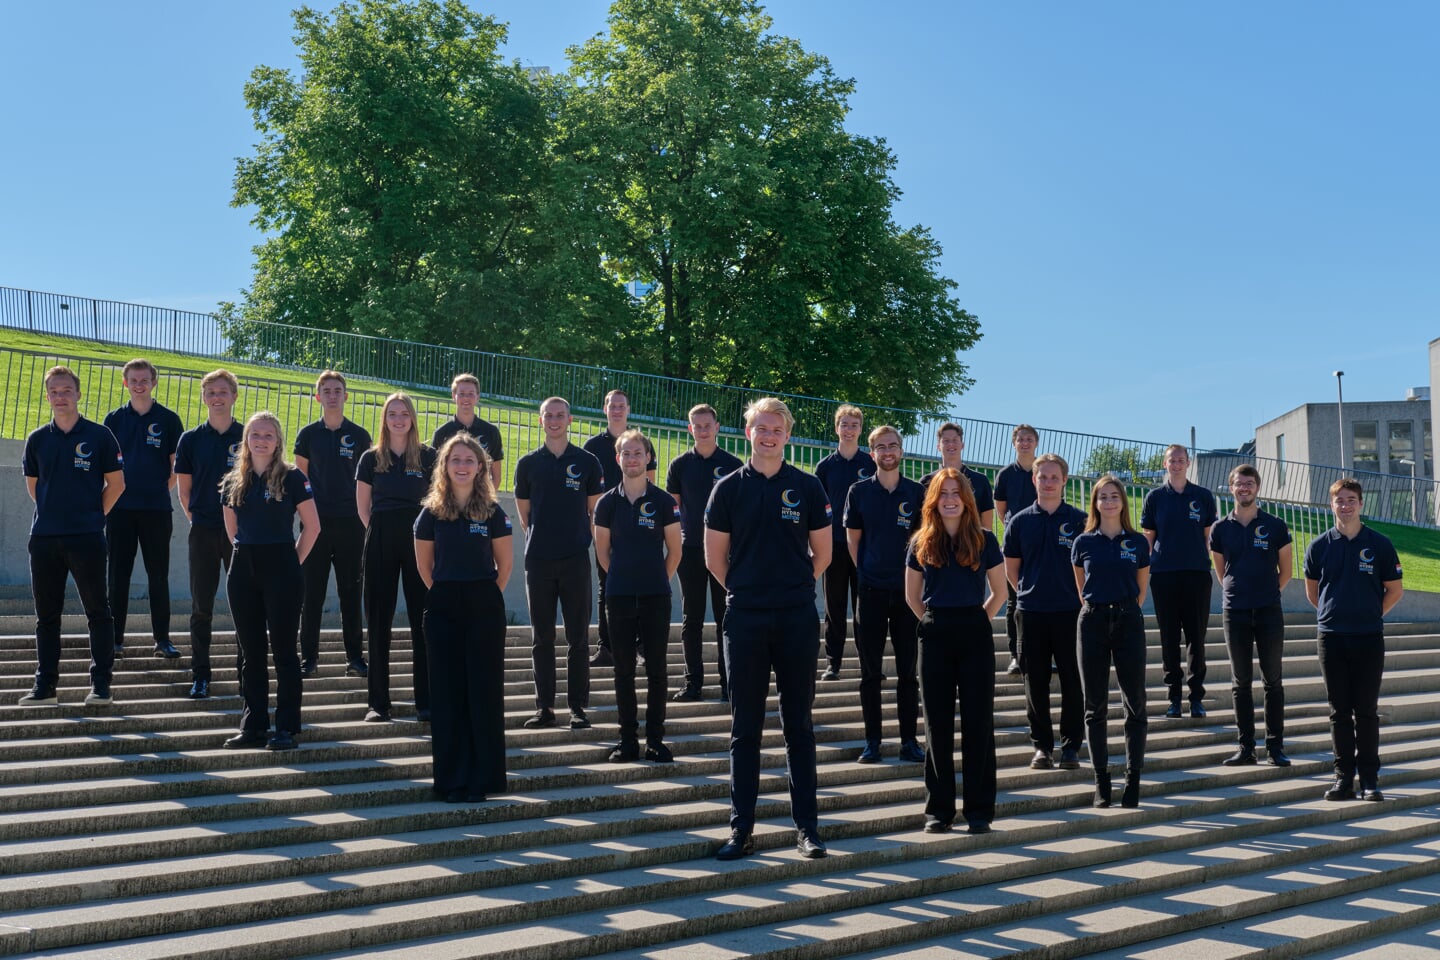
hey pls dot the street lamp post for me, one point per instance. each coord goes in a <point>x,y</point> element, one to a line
<point>1340,416</point>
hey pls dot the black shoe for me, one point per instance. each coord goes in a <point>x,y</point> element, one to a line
<point>119,651</point>
<point>247,740</point>
<point>809,845</point>
<point>687,694</point>
<point>308,668</point>
<point>936,825</point>
<point>455,796</point>
<point>1013,670</point>
<point>377,716</point>
<point>1041,760</point>
<point>832,672</point>
<point>1174,712</point>
<point>603,658</point>
<point>1102,790</point>
<point>1069,759</point>
<point>740,844</point>
<point>977,826</point>
<point>357,668</point>
<point>912,752</point>
<point>542,719</point>
<point>1275,756</point>
<point>99,696</point>
<point>1244,757</point>
<point>1197,709</point>
<point>627,752</point>
<point>1371,792</point>
<point>1344,789</point>
<point>871,753</point>
<point>281,740</point>
<point>657,752</point>
<point>1131,796</point>
<point>200,690</point>
<point>40,696</point>
<point>423,715</point>
<point>167,650</point>
<point>578,720</point>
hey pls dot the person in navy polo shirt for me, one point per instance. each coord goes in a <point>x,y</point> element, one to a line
<point>1176,519</point>
<point>327,452</point>
<point>1112,571</point>
<point>691,478</point>
<point>637,540</point>
<point>556,486</point>
<point>842,588</point>
<point>464,553</point>
<point>74,473</point>
<point>263,495</point>
<point>1252,554</point>
<point>465,391</point>
<point>1038,541</point>
<point>768,539</point>
<point>880,514</point>
<point>1353,579</point>
<point>1014,491</point>
<point>950,441</point>
<point>204,455</point>
<point>148,434</point>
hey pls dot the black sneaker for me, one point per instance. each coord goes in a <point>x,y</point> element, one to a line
<point>831,673</point>
<point>628,751</point>
<point>602,658</point>
<point>40,696</point>
<point>541,720</point>
<point>688,694</point>
<point>200,690</point>
<point>657,752</point>
<point>308,668</point>
<point>99,696</point>
<point>167,650</point>
<point>355,668</point>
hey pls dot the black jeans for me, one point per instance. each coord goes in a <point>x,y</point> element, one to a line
<point>1113,633</point>
<point>881,612</point>
<point>465,627</point>
<point>341,544</point>
<point>264,589</point>
<point>642,622</point>
<point>842,588</point>
<point>602,615</point>
<point>1352,666</point>
<point>81,556</point>
<point>210,552</point>
<point>787,641</point>
<point>149,530</point>
<point>565,582</point>
<point>1012,620</point>
<point>959,661</point>
<point>390,563</point>
<point>1047,637</point>
<point>695,582</point>
<point>1182,605</point>
<point>1248,633</point>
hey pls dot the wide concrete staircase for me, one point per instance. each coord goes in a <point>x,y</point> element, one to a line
<point>127,832</point>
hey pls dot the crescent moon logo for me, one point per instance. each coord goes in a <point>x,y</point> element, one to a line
<point>154,429</point>
<point>1367,555</point>
<point>862,474</point>
<point>1194,506</point>
<point>234,449</point>
<point>790,498</point>
<point>1261,533</point>
<point>719,472</point>
<point>905,508</point>
<point>347,441</point>
<point>573,471</point>
<point>80,450</point>
<point>647,509</point>
<point>1065,530</point>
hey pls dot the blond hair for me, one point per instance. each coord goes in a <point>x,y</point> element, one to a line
<point>441,500</point>
<point>848,410</point>
<point>770,405</point>
<point>235,485</point>
<point>383,453</point>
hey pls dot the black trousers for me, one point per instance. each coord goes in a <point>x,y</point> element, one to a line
<point>958,662</point>
<point>341,544</point>
<point>565,582</point>
<point>882,612</point>
<point>390,563</point>
<point>210,552</point>
<point>465,628</point>
<point>265,596</point>
<point>842,587</point>
<point>785,640</point>
<point>1113,633</point>
<point>82,557</point>
<point>1012,623</point>
<point>1248,634</point>
<point>643,623</point>
<point>602,616</point>
<point>1049,637</point>
<point>1182,605</point>
<point>695,582</point>
<point>1352,666</point>
<point>149,530</point>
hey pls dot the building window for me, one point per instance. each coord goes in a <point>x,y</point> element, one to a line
<point>1402,446</point>
<point>1429,450</point>
<point>1280,459</point>
<point>1363,444</point>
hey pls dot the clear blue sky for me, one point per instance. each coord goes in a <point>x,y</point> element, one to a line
<point>1164,215</point>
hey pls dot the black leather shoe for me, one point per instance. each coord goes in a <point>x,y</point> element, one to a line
<point>357,668</point>
<point>1069,759</point>
<point>936,825</point>
<point>871,753</point>
<point>602,658</point>
<point>308,668</point>
<point>809,845</point>
<point>1371,792</point>
<point>1244,757</point>
<point>1343,789</point>
<point>1041,760</point>
<point>1173,713</point>
<point>741,844</point>
<point>687,694</point>
<point>831,673</point>
<point>247,740</point>
<point>657,752</point>
<point>1131,796</point>
<point>200,690</point>
<point>977,826</point>
<point>1197,709</point>
<point>281,740</point>
<point>541,720</point>
<point>167,650</point>
<point>912,752</point>
<point>627,752</point>
<point>578,720</point>
<point>1275,756</point>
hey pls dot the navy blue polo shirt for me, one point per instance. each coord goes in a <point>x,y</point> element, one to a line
<point>838,475</point>
<point>261,519</point>
<point>331,457</point>
<point>559,490</point>
<point>691,477</point>
<point>206,455</point>
<point>1042,542</point>
<point>602,448</point>
<point>398,488</point>
<point>984,496</point>
<point>1111,564</point>
<point>464,549</point>
<point>1252,570</point>
<point>769,520</point>
<point>69,468</point>
<point>1352,575</point>
<point>886,521</point>
<point>485,433</point>
<point>637,540</point>
<point>146,440</point>
<point>1179,519</point>
<point>953,585</point>
<point>1016,486</point>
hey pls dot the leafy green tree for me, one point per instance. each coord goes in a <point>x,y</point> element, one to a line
<point>1128,461</point>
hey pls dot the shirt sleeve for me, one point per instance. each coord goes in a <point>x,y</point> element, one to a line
<point>1218,546</point>
<point>29,462</point>
<point>1210,513</point>
<point>365,469</point>
<point>111,460</point>
<point>1284,540</point>
<point>1142,554</point>
<point>302,443</point>
<point>425,526</point>
<point>182,455</point>
<point>1012,542</point>
<point>1390,568</point>
<point>1314,558</point>
<point>992,558</point>
<point>717,511</point>
<point>596,482</point>
<point>499,524</point>
<point>298,486</point>
<point>604,508</point>
<point>668,510</point>
<point>911,560</point>
<point>1077,552</point>
<point>984,496</point>
<point>522,479</point>
<point>497,448</point>
<point>175,431</point>
<point>672,476</point>
<point>854,519</point>
<point>822,517</point>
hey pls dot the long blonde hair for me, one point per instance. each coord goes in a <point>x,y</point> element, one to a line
<point>412,439</point>
<point>441,500</point>
<point>1092,520</point>
<point>235,485</point>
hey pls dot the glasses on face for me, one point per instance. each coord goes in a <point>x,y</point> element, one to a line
<point>891,447</point>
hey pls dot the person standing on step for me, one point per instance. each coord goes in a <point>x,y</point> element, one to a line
<point>326,452</point>
<point>148,434</point>
<point>465,391</point>
<point>464,554</point>
<point>950,440</point>
<point>836,473</point>
<point>1112,571</point>
<point>1038,541</point>
<point>1252,554</point>
<point>263,495</point>
<point>955,584</point>
<point>1176,518</point>
<point>1014,491</point>
<point>691,478</point>
<point>204,455</point>
<point>637,541</point>
<point>602,448</point>
<point>768,539</point>
<point>881,512</point>
<point>390,481</point>
<point>556,486</point>
<point>74,473</point>
<point>1352,579</point>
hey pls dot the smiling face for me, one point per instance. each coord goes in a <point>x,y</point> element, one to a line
<point>887,452</point>
<point>398,421</point>
<point>555,419</point>
<point>462,466</point>
<point>218,397</point>
<point>951,446</point>
<point>1245,490</point>
<point>63,395</point>
<point>139,382</point>
<point>848,429</point>
<point>617,412</point>
<point>633,457</point>
<point>465,395</point>
<point>703,428</point>
<point>262,438</point>
<point>951,503</point>
<point>1024,444</point>
<point>1109,500</point>
<point>768,436</point>
<point>1346,504</point>
<point>1049,482</point>
<point>1177,462</point>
